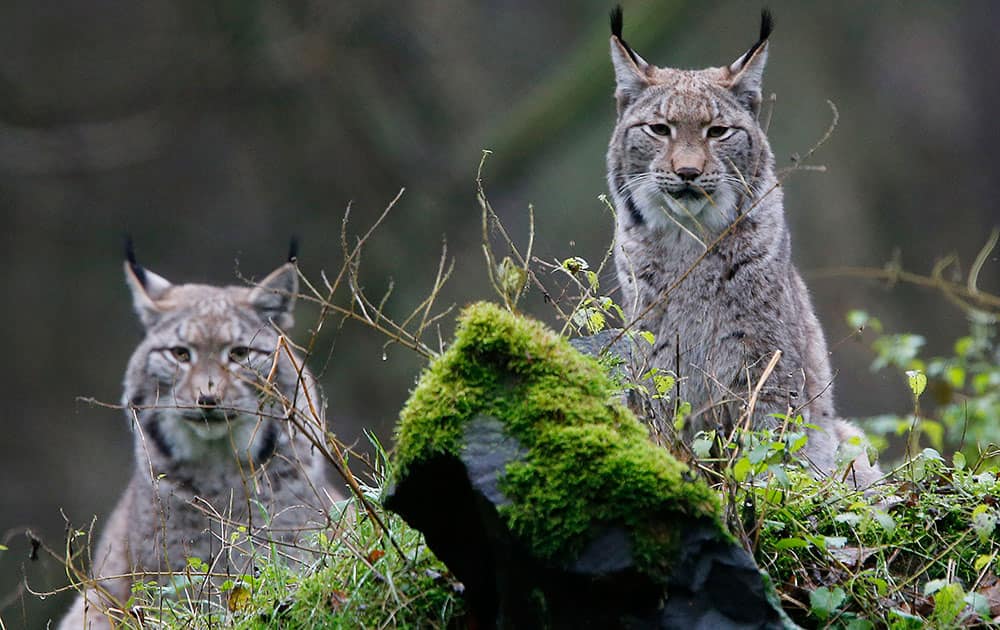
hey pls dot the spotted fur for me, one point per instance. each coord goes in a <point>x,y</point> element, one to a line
<point>687,161</point>
<point>211,397</point>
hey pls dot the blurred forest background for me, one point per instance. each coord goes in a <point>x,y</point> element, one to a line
<point>212,130</point>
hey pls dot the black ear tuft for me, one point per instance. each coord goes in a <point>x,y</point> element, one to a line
<point>293,249</point>
<point>617,21</point>
<point>766,26</point>
<point>140,273</point>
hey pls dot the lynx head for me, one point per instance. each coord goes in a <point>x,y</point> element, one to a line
<point>687,147</point>
<point>198,382</point>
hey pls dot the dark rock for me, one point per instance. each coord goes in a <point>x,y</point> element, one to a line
<point>456,503</point>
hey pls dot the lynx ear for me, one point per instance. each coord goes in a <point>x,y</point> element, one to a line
<point>146,287</point>
<point>630,68</point>
<point>746,73</point>
<point>274,297</point>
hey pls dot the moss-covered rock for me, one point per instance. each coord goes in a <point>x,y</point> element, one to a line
<point>516,458</point>
<point>589,461</point>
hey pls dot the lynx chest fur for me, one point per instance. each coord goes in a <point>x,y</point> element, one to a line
<point>703,253</point>
<point>226,421</point>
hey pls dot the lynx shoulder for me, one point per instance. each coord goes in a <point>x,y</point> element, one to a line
<point>224,417</point>
<point>703,252</point>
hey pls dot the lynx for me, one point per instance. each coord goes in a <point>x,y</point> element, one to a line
<point>689,165</point>
<point>223,433</point>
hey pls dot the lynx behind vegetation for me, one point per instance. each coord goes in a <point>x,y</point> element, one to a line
<point>688,160</point>
<point>220,416</point>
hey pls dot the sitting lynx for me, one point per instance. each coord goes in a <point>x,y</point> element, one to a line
<point>687,161</point>
<point>220,416</point>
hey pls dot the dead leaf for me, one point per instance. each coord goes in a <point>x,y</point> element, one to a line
<point>851,556</point>
<point>337,599</point>
<point>992,595</point>
<point>239,598</point>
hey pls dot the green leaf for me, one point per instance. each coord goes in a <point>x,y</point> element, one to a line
<point>850,518</point>
<point>683,411</point>
<point>982,561</point>
<point>647,336</point>
<point>663,383</point>
<point>791,543</point>
<point>758,453</point>
<point>933,586</point>
<point>900,620</point>
<point>702,444</point>
<point>817,541</point>
<point>984,522</point>
<point>835,542</point>
<point>963,345</point>
<point>595,322</point>
<point>955,375</point>
<point>881,586</point>
<point>981,382</point>
<point>3,547</point>
<point>918,382</point>
<point>884,520</point>
<point>575,264</point>
<point>958,460</point>
<point>848,451</point>
<point>931,454</point>
<point>741,469</point>
<point>798,443</point>
<point>949,601</point>
<point>824,601</point>
<point>861,320</point>
<point>859,624</point>
<point>780,475</point>
<point>898,350</point>
<point>979,603</point>
<point>857,319</point>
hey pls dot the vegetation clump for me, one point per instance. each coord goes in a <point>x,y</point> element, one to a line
<point>922,549</point>
<point>849,560</point>
<point>367,574</point>
<point>588,464</point>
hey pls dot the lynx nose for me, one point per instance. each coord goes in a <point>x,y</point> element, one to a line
<point>688,173</point>
<point>207,400</point>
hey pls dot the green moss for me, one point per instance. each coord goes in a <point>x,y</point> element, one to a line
<point>394,592</point>
<point>590,463</point>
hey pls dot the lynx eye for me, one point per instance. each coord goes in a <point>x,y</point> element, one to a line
<point>182,354</point>
<point>716,131</point>
<point>659,129</point>
<point>239,353</point>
